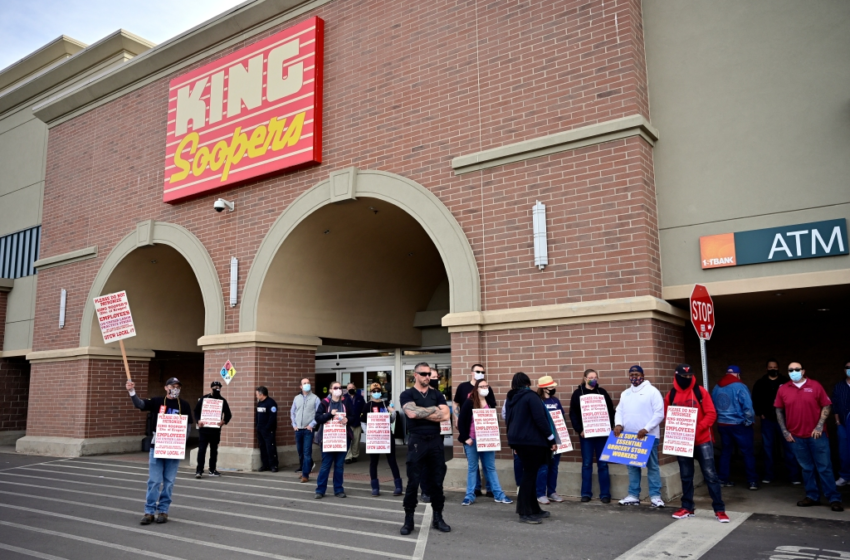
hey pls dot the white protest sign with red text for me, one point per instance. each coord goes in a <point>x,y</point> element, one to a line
<point>334,435</point>
<point>378,432</point>
<point>563,432</point>
<point>170,442</point>
<point>446,428</point>
<point>114,317</point>
<point>594,416</point>
<point>211,410</point>
<point>486,430</point>
<point>680,431</point>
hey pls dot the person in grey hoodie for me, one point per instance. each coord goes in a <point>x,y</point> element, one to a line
<point>641,411</point>
<point>303,418</point>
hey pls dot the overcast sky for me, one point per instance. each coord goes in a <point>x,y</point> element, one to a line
<point>26,25</point>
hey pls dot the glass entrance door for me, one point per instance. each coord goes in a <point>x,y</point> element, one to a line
<point>363,378</point>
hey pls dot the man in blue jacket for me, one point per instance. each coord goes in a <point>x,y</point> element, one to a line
<point>735,417</point>
<point>841,408</point>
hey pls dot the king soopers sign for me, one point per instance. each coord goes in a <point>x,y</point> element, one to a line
<point>253,112</point>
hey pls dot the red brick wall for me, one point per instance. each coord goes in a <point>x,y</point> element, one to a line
<point>14,392</point>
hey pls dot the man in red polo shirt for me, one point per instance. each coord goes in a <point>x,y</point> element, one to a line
<point>802,407</point>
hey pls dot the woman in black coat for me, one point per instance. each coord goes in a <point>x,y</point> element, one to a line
<point>532,436</point>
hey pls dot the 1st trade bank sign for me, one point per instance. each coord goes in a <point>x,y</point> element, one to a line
<point>250,113</point>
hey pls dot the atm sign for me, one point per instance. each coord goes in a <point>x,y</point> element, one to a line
<point>250,113</point>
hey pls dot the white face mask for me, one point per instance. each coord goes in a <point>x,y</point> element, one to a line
<point>336,392</point>
<point>174,393</point>
<point>479,376</point>
<point>483,392</point>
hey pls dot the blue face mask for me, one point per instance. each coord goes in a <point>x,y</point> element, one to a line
<point>306,387</point>
<point>847,371</point>
<point>376,395</point>
<point>795,376</point>
<point>592,382</point>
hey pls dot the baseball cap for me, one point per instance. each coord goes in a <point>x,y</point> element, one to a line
<point>173,381</point>
<point>636,368</point>
<point>684,369</point>
<point>215,384</point>
<point>733,369</point>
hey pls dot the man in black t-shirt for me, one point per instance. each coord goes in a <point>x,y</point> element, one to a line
<point>425,407</point>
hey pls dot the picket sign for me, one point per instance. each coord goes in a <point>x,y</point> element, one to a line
<point>171,430</point>
<point>563,433</point>
<point>211,410</point>
<point>446,427</point>
<point>378,433</point>
<point>334,435</point>
<point>487,436</point>
<point>594,416</point>
<point>115,321</point>
<point>680,431</point>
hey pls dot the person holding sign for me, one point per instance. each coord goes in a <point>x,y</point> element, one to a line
<point>686,393</point>
<point>531,434</point>
<point>209,416</point>
<point>547,476</point>
<point>162,471</point>
<point>333,412</point>
<point>378,404</point>
<point>592,415</point>
<point>467,435</point>
<point>640,411</point>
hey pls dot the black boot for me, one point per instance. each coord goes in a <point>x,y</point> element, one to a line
<point>439,524</point>
<point>407,528</point>
<point>376,487</point>
<point>398,490</point>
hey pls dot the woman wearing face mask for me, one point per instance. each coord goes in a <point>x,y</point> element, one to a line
<point>377,403</point>
<point>591,447</point>
<point>332,409</point>
<point>466,430</point>
<point>547,476</point>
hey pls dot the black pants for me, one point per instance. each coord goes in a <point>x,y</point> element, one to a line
<point>373,462</point>
<point>268,449</point>
<point>532,457</point>
<point>211,437</point>
<point>426,459</point>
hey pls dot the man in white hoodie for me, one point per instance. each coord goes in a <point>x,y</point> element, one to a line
<point>640,411</point>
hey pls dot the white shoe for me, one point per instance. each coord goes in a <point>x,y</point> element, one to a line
<point>554,497</point>
<point>840,482</point>
<point>543,500</point>
<point>630,501</point>
<point>657,502</point>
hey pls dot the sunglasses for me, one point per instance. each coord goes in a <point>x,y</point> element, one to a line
<point>790,369</point>
<point>479,371</point>
<point>423,373</point>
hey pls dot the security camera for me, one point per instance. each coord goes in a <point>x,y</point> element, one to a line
<point>221,204</point>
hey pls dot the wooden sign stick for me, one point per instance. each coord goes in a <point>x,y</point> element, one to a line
<point>124,355</point>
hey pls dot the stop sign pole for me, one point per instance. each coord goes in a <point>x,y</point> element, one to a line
<point>702,318</point>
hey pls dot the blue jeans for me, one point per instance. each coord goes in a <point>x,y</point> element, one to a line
<point>547,477</point>
<point>844,451</point>
<point>590,448</point>
<point>741,437</point>
<point>337,459</point>
<point>816,462</point>
<point>488,460</point>
<point>770,435</point>
<point>653,475</point>
<point>304,443</point>
<point>704,454</point>
<point>161,472</point>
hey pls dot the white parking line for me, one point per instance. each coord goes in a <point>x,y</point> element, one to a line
<point>87,540</point>
<point>422,540</point>
<point>686,539</point>
<point>193,508</point>
<point>154,534</point>
<point>223,527</point>
<point>31,464</point>
<point>27,552</point>
<point>189,496</point>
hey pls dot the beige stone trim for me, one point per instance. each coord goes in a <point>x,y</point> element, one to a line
<point>256,339</point>
<point>625,127</point>
<point>77,447</point>
<point>621,309</point>
<point>88,353</point>
<point>763,284</point>
<point>6,284</point>
<point>15,353</point>
<point>66,258</point>
<point>58,49</point>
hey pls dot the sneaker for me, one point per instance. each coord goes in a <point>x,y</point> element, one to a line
<point>836,506</point>
<point>147,519</point>
<point>605,500</point>
<point>727,484</point>
<point>585,499</point>
<point>215,473</point>
<point>542,515</point>
<point>657,502</point>
<point>630,501</point>
<point>466,502</point>
<point>162,518</point>
<point>721,516</point>
<point>340,495</point>
<point>274,469</point>
<point>319,496</point>
<point>796,482</point>
<point>554,497</point>
<point>754,486</point>
<point>684,513</point>
<point>530,520</point>
<point>543,500</point>
<point>198,475</point>
<point>766,481</point>
<point>505,500</point>
<point>840,482</point>
<point>808,502</point>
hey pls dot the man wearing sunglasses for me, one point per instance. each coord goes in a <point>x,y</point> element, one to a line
<point>802,408</point>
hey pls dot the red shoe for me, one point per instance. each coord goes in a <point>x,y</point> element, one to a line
<point>683,513</point>
<point>721,516</point>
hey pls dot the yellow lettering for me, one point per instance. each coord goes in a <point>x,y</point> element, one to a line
<point>218,155</point>
<point>235,152</point>
<point>255,144</point>
<point>293,133</point>
<point>199,164</point>
<point>178,157</point>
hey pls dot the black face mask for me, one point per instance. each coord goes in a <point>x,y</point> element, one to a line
<point>773,372</point>
<point>551,392</point>
<point>352,391</point>
<point>216,390</point>
<point>435,383</point>
<point>684,382</point>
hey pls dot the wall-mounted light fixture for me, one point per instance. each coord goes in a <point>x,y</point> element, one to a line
<point>62,299</point>
<point>541,253</point>
<point>234,280</point>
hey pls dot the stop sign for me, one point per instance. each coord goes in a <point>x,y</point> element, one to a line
<point>702,312</point>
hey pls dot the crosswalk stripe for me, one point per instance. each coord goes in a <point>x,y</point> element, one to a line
<point>27,552</point>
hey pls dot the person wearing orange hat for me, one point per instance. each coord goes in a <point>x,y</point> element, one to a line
<point>547,476</point>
